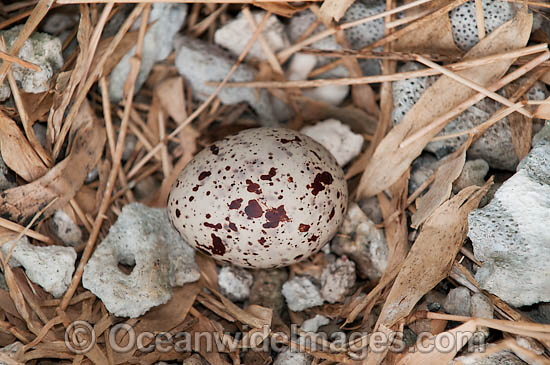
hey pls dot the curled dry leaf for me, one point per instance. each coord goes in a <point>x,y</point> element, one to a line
<point>431,256</point>
<point>441,188</point>
<point>62,181</point>
<point>434,37</point>
<point>334,9</point>
<point>390,159</point>
<point>17,152</point>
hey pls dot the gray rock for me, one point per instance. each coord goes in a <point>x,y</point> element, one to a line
<point>143,237</point>
<point>458,301</point>
<point>199,62</point>
<point>481,307</point>
<point>371,208</point>
<point>361,241</point>
<point>473,173</point>
<point>57,22</point>
<point>337,280</point>
<point>66,229</point>
<point>292,357</point>
<point>313,324</point>
<point>495,146</point>
<point>464,24</point>
<point>41,49</point>
<point>157,45</point>
<point>235,35</point>
<point>266,290</point>
<point>421,169</point>
<point>51,267</point>
<point>499,358</point>
<point>235,282</point>
<point>300,294</point>
<point>358,37</point>
<point>337,138</point>
<point>510,235</point>
<point>6,182</point>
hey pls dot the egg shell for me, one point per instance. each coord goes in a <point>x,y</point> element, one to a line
<point>262,198</point>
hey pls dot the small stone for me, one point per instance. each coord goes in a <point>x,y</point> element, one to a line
<point>464,22</point>
<point>266,290</point>
<point>7,180</point>
<point>157,45</point>
<point>236,34</point>
<point>199,62</point>
<point>66,229</point>
<point>300,294</point>
<point>235,283</point>
<point>57,23</point>
<point>51,267</point>
<point>361,241</point>
<point>510,235</point>
<point>337,138</point>
<point>14,351</point>
<point>313,324</point>
<point>292,357</point>
<point>481,307</point>
<point>473,173</point>
<point>299,68</point>
<point>499,358</point>
<point>41,49</point>
<point>195,359</point>
<point>337,279</point>
<point>421,169</point>
<point>458,302</point>
<point>144,238</point>
<point>371,208</point>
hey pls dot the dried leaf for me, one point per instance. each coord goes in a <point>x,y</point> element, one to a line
<point>390,160</point>
<point>543,110</point>
<point>431,256</point>
<point>334,9</point>
<point>440,189</point>
<point>17,152</point>
<point>283,9</point>
<point>434,37</point>
<point>61,182</point>
<point>171,96</point>
<point>463,332</point>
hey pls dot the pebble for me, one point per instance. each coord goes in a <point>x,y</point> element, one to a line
<point>143,237</point>
<point>292,357</point>
<point>266,290</point>
<point>473,173</point>
<point>199,62</point>
<point>337,280</point>
<point>499,358</point>
<point>313,324</point>
<point>235,35</point>
<point>66,229</point>
<point>371,208</point>
<point>458,302</point>
<point>360,240</point>
<point>299,68</point>
<point>7,180</point>
<point>157,45</point>
<point>510,235</point>
<point>235,283</point>
<point>51,267</point>
<point>337,138</point>
<point>41,49</point>
<point>300,294</point>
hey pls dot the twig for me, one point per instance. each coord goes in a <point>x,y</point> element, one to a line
<point>9,58</point>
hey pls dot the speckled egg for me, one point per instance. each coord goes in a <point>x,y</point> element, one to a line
<point>265,197</point>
